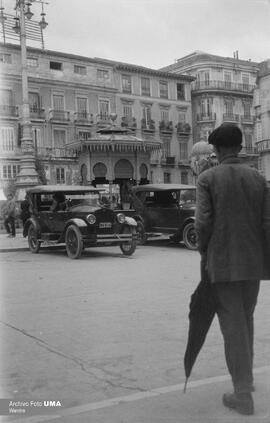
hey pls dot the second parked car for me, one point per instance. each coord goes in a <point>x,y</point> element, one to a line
<point>165,209</point>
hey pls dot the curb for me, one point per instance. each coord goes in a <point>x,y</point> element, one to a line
<point>11,250</point>
<point>16,249</point>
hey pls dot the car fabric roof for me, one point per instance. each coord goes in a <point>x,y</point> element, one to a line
<point>68,189</point>
<point>162,187</point>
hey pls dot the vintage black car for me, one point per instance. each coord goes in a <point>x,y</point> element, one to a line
<point>165,209</point>
<point>76,216</point>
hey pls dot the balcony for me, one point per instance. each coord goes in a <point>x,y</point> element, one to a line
<point>249,150</point>
<point>183,128</point>
<point>59,116</point>
<point>10,150</point>
<point>247,119</point>
<point>223,86</point>
<point>148,126</point>
<point>83,118</point>
<point>154,162</point>
<point>230,117</point>
<point>210,117</point>
<point>103,119</point>
<point>36,113</point>
<point>263,146</point>
<point>8,111</point>
<point>83,136</point>
<point>168,160</point>
<point>166,126</point>
<point>52,152</point>
<point>129,122</point>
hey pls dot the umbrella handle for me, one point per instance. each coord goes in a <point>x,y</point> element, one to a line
<point>185,385</point>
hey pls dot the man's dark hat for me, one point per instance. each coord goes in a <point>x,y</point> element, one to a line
<point>226,135</point>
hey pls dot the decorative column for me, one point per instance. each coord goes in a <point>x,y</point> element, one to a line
<point>27,176</point>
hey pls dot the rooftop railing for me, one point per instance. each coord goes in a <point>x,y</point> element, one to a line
<point>222,85</point>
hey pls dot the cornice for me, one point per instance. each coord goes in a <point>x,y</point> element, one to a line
<point>58,83</point>
<point>119,66</point>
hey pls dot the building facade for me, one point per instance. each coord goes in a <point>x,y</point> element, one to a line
<point>262,112</point>
<point>94,120</point>
<point>222,92</point>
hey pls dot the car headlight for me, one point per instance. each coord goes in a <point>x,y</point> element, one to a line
<point>121,217</point>
<point>91,218</point>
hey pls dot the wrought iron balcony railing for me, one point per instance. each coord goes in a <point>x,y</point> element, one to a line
<point>7,110</point>
<point>83,136</point>
<point>36,113</point>
<point>166,126</point>
<point>203,117</point>
<point>222,85</point>
<point>59,115</point>
<point>103,119</point>
<point>84,117</point>
<point>183,128</point>
<point>148,126</point>
<point>230,117</point>
<point>263,146</point>
<point>53,152</point>
<point>167,160</point>
<point>170,160</point>
<point>129,122</point>
<point>247,119</point>
<point>249,150</point>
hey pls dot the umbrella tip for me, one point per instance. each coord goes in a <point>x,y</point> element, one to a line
<point>185,385</point>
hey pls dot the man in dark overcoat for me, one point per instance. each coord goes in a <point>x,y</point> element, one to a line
<point>233,229</point>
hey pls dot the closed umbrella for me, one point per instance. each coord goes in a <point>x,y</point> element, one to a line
<point>202,309</point>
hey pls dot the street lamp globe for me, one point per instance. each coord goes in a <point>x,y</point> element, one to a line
<point>28,13</point>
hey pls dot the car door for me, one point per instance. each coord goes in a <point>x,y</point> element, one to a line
<point>57,220</point>
<point>187,201</point>
<point>166,212</point>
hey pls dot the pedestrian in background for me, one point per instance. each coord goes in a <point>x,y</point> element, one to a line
<point>232,217</point>
<point>9,220</point>
<point>25,212</point>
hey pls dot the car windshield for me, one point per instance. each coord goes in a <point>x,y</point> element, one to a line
<point>83,199</point>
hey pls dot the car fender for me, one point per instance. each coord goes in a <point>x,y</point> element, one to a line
<point>190,219</point>
<point>31,221</point>
<point>138,218</point>
<point>76,221</point>
<point>130,221</point>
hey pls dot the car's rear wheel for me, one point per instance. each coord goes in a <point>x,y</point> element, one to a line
<point>141,235</point>
<point>128,247</point>
<point>189,237</point>
<point>33,242</point>
<point>74,242</point>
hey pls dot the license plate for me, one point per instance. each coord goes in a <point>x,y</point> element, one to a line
<point>105,225</point>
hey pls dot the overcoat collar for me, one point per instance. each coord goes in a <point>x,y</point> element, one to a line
<point>232,158</point>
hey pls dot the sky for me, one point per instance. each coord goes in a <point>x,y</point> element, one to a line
<point>155,33</point>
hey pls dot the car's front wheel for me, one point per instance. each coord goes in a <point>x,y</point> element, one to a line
<point>129,247</point>
<point>33,242</point>
<point>189,236</point>
<point>74,242</point>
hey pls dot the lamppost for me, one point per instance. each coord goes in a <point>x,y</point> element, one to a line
<point>27,175</point>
